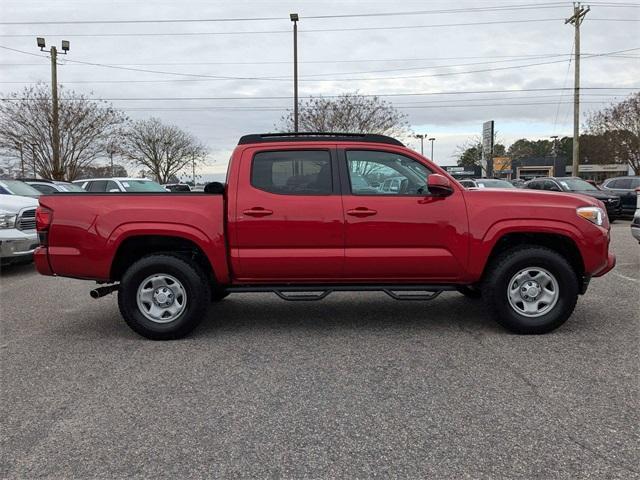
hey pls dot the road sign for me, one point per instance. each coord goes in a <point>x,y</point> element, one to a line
<point>487,149</point>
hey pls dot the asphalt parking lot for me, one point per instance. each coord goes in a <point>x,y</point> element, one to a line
<point>357,385</point>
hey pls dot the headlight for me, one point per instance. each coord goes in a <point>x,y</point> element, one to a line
<point>593,214</point>
<point>7,220</point>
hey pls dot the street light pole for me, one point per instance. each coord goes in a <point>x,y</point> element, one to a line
<point>33,157</point>
<point>432,139</point>
<point>294,18</point>
<point>421,136</point>
<point>56,170</point>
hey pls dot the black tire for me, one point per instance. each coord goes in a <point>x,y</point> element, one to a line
<point>503,268</point>
<point>469,292</point>
<point>218,295</point>
<point>194,282</point>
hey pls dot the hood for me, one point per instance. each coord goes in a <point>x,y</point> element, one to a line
<point>599,194</point>
<point>15,203</point>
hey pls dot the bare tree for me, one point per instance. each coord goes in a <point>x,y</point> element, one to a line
<point>163,150</point>
<point>619,126</point>
<point>348,113</point>
<point>85,127</point>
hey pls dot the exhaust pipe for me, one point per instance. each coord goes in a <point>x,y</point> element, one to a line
<point>102,291</point>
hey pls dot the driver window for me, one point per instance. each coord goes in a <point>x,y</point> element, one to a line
<point>385,173</point>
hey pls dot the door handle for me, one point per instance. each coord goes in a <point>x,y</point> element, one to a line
<point>361,212</point>
<point>258,212</point>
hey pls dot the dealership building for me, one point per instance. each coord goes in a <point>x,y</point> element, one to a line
<point>532,167</point>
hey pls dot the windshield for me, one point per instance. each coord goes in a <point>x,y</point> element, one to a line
<point>70,187</point>
<point>576,184</point>
<point>491,183</point>
<point>142,186</point>
<point>20,188</point>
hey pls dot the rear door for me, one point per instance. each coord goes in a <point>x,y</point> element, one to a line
<point>400,233</point>
<point>288,222</point>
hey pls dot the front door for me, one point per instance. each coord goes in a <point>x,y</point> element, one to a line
<point>394,229</point>
<point>289,223</point>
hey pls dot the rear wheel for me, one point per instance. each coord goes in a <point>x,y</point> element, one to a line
<point>530,289</point>
<point>163,297</point>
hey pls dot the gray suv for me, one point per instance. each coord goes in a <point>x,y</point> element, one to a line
<point>625,188</point>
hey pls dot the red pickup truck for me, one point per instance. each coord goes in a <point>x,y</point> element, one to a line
<point>304,215</point>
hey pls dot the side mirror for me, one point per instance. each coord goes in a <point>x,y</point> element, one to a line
<point>439,185</point>
<point>214,187</point>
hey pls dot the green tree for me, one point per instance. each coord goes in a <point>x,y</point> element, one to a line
<point>619,124</point>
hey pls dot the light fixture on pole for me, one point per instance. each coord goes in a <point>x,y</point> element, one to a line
<point>56,169</point>
<point>421,136</point>
<point>432,139</point>
<point>294,18</point>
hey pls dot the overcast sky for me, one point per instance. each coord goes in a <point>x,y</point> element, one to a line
<point>396,55</point>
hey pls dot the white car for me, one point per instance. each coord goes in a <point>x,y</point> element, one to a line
<point>53,186</point>
<point>119,184</point>
<point>18,236</point>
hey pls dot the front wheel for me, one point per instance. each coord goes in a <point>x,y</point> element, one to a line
<point>163,297</point>
<point>530,289</point>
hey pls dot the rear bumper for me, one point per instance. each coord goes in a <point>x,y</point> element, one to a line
<point>635,231</point>
<point>41,259</point>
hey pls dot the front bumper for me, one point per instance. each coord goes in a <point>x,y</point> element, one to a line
<point>16,245</point>
<point>635,231</point>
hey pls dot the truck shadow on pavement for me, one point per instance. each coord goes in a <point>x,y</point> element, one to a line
<point>16,270</point>
<point>366,312</point>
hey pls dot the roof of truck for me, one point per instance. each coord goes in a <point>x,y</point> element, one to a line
<point>317,137</point>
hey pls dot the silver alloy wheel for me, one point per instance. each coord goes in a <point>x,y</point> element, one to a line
<point>533,292</point>
<point>161,298</point>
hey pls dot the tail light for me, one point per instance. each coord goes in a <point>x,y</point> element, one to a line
<point>43,222</point>
<point>43,218</point>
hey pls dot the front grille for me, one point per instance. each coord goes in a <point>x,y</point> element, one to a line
<point>27,220</point>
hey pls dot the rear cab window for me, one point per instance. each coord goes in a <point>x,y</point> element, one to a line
<point>293,172</point>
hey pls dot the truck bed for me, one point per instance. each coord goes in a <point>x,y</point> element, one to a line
<point>88,229</point>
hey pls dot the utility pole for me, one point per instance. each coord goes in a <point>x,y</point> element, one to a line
<point>19,145</point>
<point>579,12</point>
<point>56,170</point>
<point>193,170</point>
<point>432,140</point>
<point>294,18</point>
<point>421,136</point>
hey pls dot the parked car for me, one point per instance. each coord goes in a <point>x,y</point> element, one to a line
<point>289,222</point>
<point>177,187</point>
<point>517,182</point>
<point>635,224</point>
<point>16,187</point>
<point>18,237</point>
<point>119,185</point>
<point>53,186</point>
<point>486,183</point>
<point>580,186</point>
<point>625,188</point>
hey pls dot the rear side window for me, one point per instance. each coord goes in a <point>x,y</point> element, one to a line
<point>293,172</point>
<point>623,183</point>
<point>97,186</point>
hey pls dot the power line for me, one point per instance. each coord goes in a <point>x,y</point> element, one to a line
<point>260,32</point>
<point>381,95</point>
<point>497,8</point>
<point>569,60</point>
<point>361,60</point>
<point>282,79</point>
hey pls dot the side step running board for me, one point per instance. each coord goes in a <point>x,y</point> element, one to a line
<point>301,292</point>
